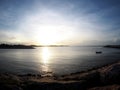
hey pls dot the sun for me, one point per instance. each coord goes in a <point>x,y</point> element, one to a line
<point>48,37</point>
<point>51,34</point>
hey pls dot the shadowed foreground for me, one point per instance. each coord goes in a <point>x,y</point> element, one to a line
<point>104,78</point>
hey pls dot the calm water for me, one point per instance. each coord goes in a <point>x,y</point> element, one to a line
<point>58,60</point>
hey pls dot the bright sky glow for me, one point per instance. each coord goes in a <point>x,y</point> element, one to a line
<point>71,22</point>
<point>47,29</point>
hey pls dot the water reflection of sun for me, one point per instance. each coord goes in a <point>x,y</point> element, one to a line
<point>46,55</point>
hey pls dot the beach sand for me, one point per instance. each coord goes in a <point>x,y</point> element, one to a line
<point>104,78</point>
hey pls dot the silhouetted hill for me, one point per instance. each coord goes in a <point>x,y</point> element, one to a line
<point>7,46</point>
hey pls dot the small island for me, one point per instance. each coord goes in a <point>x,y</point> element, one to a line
<point>7,46</point>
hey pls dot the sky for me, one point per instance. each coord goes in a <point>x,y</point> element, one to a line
<point>67,22</point>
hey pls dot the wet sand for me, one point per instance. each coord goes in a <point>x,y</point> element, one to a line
<point>103,78</point>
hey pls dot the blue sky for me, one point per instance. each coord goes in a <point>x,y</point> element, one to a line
<point>74,22</point>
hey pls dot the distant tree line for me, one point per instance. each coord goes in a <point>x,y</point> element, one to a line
<point>19,46</point>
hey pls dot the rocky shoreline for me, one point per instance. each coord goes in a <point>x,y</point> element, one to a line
<point>103,78</point>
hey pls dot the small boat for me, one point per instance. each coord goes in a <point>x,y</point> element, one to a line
<point>98,52</point>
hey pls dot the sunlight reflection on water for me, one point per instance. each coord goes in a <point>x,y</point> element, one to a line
<point>46,56</point>
<point>55,60</point>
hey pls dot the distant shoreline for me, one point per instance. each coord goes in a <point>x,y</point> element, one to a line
<point>112,46</point>
<point>50,45</point>
<point>7,46</point>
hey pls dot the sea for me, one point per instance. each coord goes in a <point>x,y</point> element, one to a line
<point>56,60</point>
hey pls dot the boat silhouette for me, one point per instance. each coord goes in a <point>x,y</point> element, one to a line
<point>98,52</point>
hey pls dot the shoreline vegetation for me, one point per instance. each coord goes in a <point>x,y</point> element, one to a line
<point>20,46</point>
<point>7,46</point>
<point>102,78</point>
